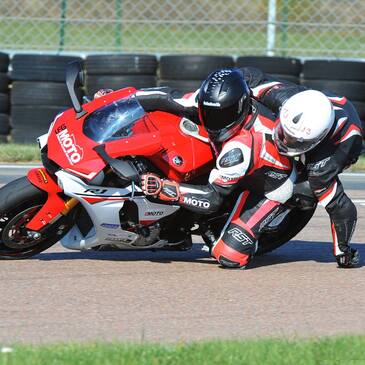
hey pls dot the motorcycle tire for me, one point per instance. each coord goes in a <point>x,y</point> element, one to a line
<point>117,64</point>
<point>353,90</point>
<point>290,78</point>
<point>19,202</point>
<point>292,224</point>
<point>4,103</point>
<point>4,62</point>
<point>95,83</point>
<point>334,70</point>
<point>184,86</point>
<point>40,93</point>
<point>4,83</point>
<point>4,124</point>
<point>30,67</point>
<point>191,67</point>
<point>272,65</point>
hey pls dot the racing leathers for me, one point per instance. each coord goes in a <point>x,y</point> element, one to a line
<point>249,162</point>
<point>340,148</point>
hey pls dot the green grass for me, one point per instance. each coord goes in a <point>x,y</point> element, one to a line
<point>12,152</point>
<point>173,37</point>
<point>343,350</point>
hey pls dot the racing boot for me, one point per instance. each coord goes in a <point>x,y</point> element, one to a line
<point>346,256</point>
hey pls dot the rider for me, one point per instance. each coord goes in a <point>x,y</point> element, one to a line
<point>246,160</point>
<point>325,132</point>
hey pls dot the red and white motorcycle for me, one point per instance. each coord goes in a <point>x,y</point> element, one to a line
<point>87,193</point>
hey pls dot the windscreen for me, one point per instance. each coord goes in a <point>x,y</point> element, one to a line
<point>113,121</point>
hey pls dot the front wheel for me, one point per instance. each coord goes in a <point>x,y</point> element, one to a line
<point>19,202</point>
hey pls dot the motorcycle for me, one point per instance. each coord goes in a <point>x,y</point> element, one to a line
<point>87,194</point>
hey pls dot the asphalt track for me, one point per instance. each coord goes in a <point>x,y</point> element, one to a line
<point>296,291</point>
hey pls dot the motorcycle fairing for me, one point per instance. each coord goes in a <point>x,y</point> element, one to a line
<point>103,205</point>
<point>54,205</point>
<point>157,136</point>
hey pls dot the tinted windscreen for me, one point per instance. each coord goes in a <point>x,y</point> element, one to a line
<point>114,121</point>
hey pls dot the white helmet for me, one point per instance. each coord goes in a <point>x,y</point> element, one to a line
<point>305,119</point>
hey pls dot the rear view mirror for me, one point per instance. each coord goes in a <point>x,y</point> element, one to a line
<point>74,80</point>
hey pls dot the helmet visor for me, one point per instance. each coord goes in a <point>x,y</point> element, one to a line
<point>291,146</point>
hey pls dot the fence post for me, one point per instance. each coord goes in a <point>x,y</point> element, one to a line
<point>284,27</point>
<point>271,27</point>
<point>62,25</point>
<point>118,24</point>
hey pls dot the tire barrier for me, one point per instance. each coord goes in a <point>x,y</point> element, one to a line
<point>282,68</point>
<point>186,72</point>
<point>29,122</point>
<point>38,93</point>
<point>29,67</point>
<point>4,98</point>
<point>115,82</point>
<point>118,71</point>
<point>341,77</point>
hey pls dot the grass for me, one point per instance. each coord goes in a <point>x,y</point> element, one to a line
<point>342,350</point>
<point>12,152</point>
<point>173,37</point>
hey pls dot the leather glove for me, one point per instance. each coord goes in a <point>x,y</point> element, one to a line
<point>102,92</point>
<point>153,185</point>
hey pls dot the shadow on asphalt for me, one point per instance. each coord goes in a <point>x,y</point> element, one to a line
<point>295,251</point>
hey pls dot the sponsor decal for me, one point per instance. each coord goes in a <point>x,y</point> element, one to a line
<point>320,164</point>
<point>154,213</point>
<point>239,236</point>
<point>275,175</point>
<point>225,178</point>
<point>110,225</point>
<point>201,203</point>
<point>177,160</point>
<point>73,152</point>
<point>41,176</point>
<point>231,158</point>
<point>169,192</point>
<point>269,218</point>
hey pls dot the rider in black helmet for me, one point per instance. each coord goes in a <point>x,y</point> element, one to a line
<point>243,165</point>
<point>224,104</point>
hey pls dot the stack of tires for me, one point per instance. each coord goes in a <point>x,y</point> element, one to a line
<point>4,98</point>
<point>116,71</point>
<point>38,94</point>
<point>186,72</point>
<point>282,68</point>
<point>341,77</point>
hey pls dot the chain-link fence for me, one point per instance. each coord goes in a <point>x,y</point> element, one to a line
<point>308,28</point>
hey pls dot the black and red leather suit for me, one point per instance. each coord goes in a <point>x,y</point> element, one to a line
<point>250,162</point>
<point>341,148</point>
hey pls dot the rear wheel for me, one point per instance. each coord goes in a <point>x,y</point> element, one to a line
<point>19,203</point>
<point>292,224</point>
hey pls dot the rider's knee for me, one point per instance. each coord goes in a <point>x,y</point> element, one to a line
<point>231,258</point>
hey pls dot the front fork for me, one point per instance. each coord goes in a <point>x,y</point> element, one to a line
<point>55,206</point>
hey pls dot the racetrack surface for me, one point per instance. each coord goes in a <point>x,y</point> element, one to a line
<point>295,291</point>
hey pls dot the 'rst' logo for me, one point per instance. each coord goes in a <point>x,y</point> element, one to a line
<point>73,152</point>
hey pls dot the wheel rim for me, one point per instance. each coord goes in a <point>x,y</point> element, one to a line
<point>14,233</point>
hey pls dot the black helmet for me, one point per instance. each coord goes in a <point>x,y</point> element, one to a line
<point>224,103</point>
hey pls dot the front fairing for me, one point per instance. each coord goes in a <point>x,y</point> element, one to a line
<point>73,150</point>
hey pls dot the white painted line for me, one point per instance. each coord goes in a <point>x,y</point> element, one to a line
<point>357,174</point>
<point>360,201</point>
